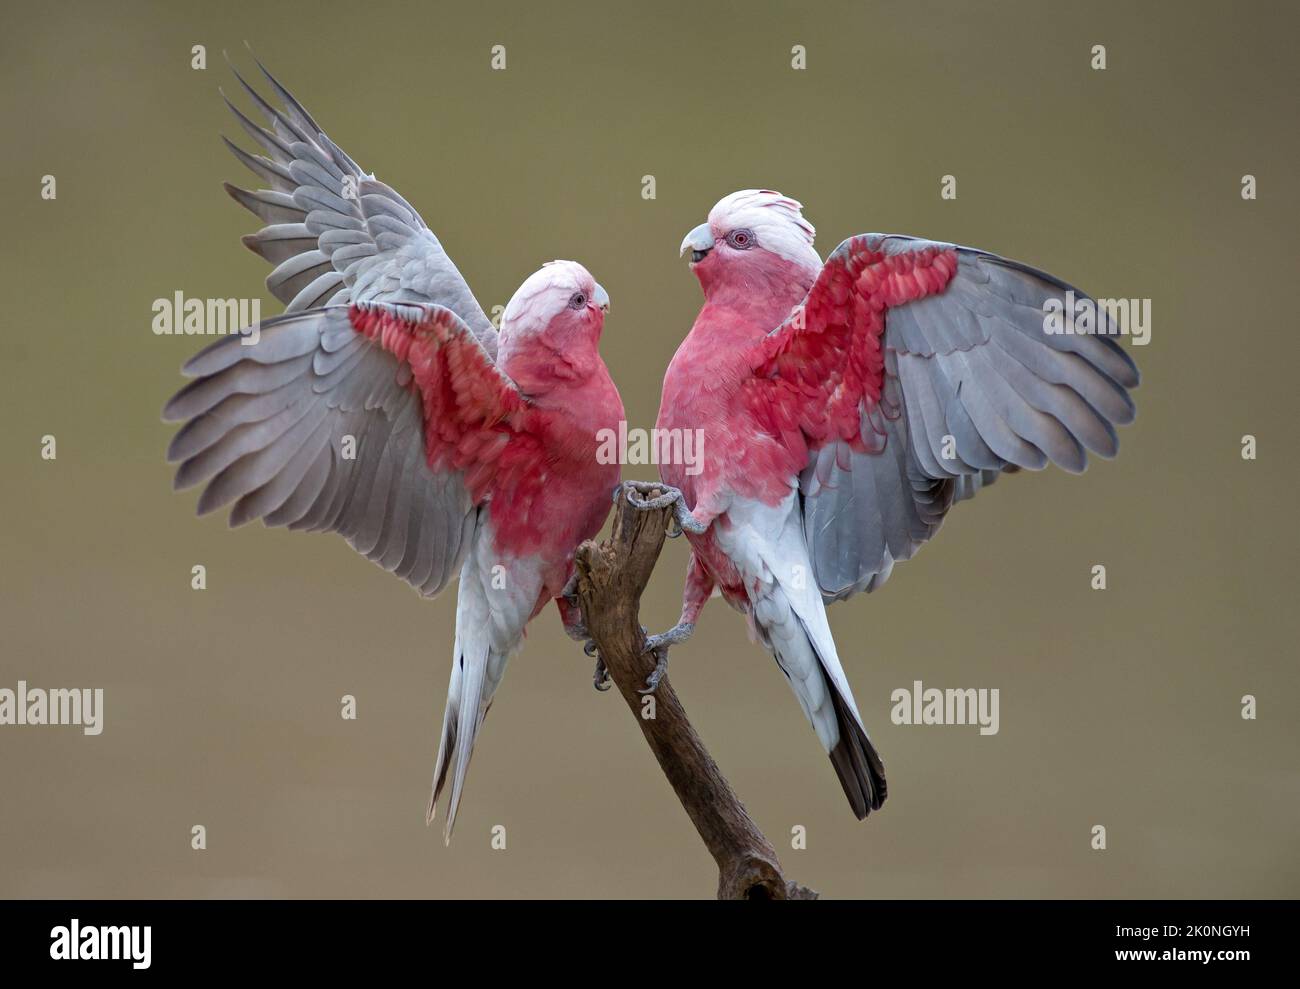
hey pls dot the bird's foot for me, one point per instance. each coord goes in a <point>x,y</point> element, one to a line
<point>647,496</point>
<point>600,679</point>
<point>579,633</point>
<point>675,636</point>
<point>658,673</point>
<point>570,592</point>
<point>657,645</point>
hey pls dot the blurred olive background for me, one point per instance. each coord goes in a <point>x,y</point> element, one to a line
<point>1119,708</point>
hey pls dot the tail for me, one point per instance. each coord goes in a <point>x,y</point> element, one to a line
<point>806,654</point>
<point>476,671</point>
<point>857,763</point>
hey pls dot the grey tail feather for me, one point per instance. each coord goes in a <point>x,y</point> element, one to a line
<point>856,762</point>
<point>446,751</point>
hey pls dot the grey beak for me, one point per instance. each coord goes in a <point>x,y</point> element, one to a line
<point>601,297</point>
<point>699,242</point>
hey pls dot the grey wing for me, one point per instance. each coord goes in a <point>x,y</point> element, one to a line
<point>335,234</point>
<point>974,387</point>
<point>315,427</point>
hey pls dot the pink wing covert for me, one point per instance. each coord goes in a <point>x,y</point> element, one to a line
<point>825,363</point>
<point>388,424</point>
<point>913,374</point>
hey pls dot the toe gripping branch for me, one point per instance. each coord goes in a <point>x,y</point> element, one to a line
<point>578,632</point>
<point>647,496</point>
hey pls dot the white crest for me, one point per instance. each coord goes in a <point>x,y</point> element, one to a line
<point>545,293</point>
<point>777,222</point>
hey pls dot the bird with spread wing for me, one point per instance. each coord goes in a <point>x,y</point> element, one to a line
<point>845,407</point>
<point>382,405</point>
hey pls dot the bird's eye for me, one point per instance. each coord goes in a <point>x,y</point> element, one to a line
<point>741,240</point>
<point>577,300</point>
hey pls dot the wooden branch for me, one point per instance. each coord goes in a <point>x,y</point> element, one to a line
<point>611,578</point>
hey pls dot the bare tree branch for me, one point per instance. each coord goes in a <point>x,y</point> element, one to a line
<point>611,578</point>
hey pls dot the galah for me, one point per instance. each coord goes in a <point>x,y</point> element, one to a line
<point>845,407</point>
<point>384,406</point>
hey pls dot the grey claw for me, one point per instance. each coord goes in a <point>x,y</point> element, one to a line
<point>657,674</point>
<point>637,491</point>
<point>667,495</point>
<point>658,645</point>
<point>675,636</point>
<point>600,679</point>
<point>570,592</point>
<point>589,647</point>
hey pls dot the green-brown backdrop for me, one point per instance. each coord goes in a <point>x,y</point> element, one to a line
<point>1119,708</point>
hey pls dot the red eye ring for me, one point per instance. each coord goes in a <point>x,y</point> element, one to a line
<point>741,239</point>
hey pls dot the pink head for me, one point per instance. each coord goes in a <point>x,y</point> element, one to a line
<point>752,237</point>
<point>551,327</point>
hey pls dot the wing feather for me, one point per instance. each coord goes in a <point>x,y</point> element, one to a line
<point>335,234</point>
<point>967,384</point>
<point>267,424</point>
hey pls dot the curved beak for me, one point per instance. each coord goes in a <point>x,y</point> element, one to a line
<point>699,242</point>
<point>601,297</point>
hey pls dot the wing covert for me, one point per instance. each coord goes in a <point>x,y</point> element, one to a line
<point>381,423</point>
<point>921,371</point>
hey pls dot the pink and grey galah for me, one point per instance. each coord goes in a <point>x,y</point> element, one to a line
<point>845,408</point>
<point>384,406</point>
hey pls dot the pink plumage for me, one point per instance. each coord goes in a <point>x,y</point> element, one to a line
<point>845,406</point>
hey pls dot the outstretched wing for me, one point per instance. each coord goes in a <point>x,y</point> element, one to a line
<point>386,424</point>
<point>916,372</point>
<point>335,234</point>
